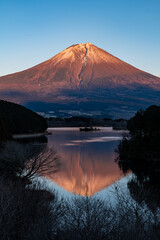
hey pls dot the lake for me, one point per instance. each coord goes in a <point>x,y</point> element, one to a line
<point>87,159</point>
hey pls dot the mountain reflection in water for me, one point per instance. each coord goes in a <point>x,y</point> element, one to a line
<point>87,159</point>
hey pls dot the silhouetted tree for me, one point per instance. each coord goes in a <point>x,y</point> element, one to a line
<point>24,162</point>
<point>144,141</point>
<point>145,123</point>
<point>27,209</point>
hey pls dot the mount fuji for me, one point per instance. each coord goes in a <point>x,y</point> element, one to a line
<point>83,79</point>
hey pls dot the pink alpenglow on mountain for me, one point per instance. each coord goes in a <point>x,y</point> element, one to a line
<point>81,73</point>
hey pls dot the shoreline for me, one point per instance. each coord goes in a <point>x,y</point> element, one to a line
<point>74,128</point>
<point>51,129</point>
<point>28,135</point>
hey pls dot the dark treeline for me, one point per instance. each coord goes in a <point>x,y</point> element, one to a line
<point>87,122</point>
<point>140,154</point>
<point>140,151</point>
<point>143,144</point>
<point>16,119</point>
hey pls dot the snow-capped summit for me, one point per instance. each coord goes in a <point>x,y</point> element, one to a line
<point>80,67</point>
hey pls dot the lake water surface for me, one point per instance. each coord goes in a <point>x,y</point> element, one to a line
<point>88,159</point>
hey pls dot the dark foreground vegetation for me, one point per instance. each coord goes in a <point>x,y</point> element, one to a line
<point>16,119</point>
<point>143,145</point>
<point>139,153</point>
<point>26,208</point>
<point>29,210</point>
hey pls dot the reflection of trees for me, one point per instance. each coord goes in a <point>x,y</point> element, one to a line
<point>144,186</point>
<point>33,140</point>
<point>140,153</point>
<point>24,162</point>
<point>25,207</point>
<point>145,192</point>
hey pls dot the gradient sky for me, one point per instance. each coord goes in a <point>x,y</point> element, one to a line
<point>32,31</point>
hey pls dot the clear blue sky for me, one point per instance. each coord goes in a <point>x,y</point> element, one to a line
<point>32,31</point>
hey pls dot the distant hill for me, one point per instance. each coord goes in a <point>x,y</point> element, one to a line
<point>5,134</point>
<point>87,122</point>
<point>16,119</point>
<point>83,77</point>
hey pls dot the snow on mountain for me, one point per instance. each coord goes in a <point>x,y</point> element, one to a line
<point>80,69</point>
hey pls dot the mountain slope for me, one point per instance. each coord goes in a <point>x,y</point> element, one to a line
<point>80,73</point>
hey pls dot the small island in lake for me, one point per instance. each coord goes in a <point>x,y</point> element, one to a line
<point>89,129</point>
